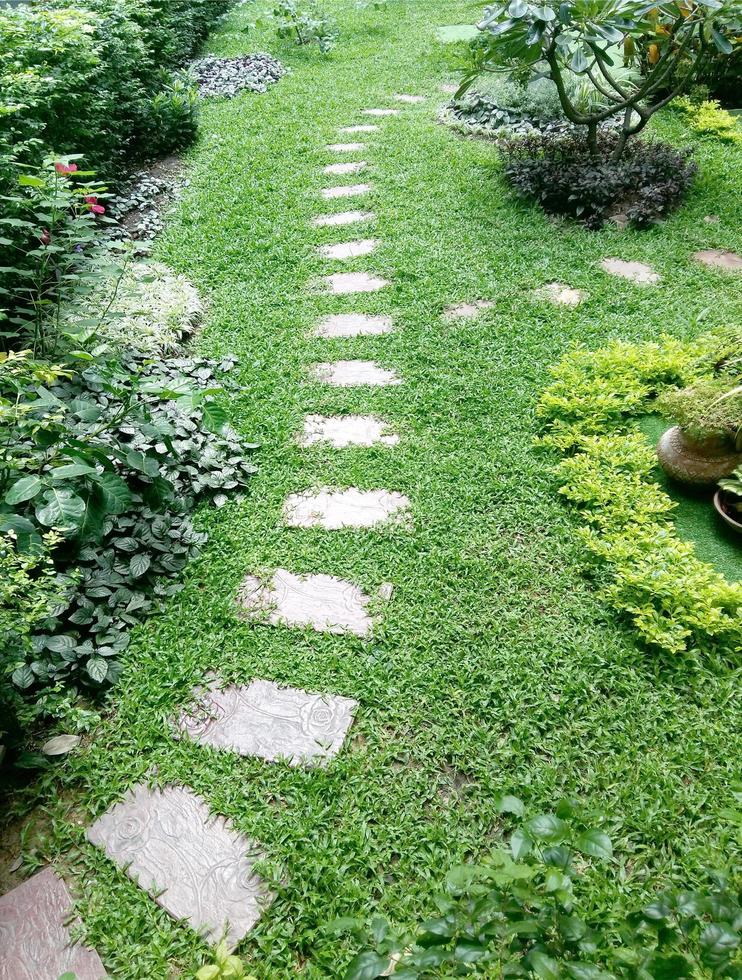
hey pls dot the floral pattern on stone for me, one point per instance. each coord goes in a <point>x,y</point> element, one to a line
<point>195,865</point>
<point>326,603</point>
<point>269,721</point>
<point>35,941</point>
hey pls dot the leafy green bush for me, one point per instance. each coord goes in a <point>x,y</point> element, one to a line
<point>677,602</point>
<point>89,77</point>
<point>111,458</point>
<point>303,23</point>
<point>561,172</point>
<point>518,914</point>
<point>707,118</point>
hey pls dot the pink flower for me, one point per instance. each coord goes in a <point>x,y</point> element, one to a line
<point>45,237</point>
<point>65,168</point>
<point>92,203</point>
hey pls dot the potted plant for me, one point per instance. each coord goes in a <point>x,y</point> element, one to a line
<point>705,444</point>
<point>728,500</point>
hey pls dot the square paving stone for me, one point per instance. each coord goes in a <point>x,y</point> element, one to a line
<point>349,250</point>
<point>342,218</point>
<point>195,865</point>
<point>35,942</point>
<point>344,283</point>
<point>270,722</point>
<point>326,603</point>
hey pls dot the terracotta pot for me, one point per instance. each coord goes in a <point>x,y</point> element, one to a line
<point>697,462</point>
<point>720,502</point>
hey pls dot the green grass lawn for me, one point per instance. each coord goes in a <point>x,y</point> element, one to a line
<point>496,667</point>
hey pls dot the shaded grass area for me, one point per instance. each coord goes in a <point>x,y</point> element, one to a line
<point>496,667</point>
<point>695,517</point>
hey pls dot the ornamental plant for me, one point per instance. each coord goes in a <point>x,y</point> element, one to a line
<point>517,913</point>
<point>303,23</point>
<point>669,41</point>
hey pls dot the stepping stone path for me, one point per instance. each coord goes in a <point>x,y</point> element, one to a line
<point>349,250</point>
<point>719,259</point>
<point>636,272</point>
<point>342,283</point>
<point>466,311</point>
<point>35,941</point>
<point>353,325</point>
<point>326,603</point>
<point>337,509</point>
<point>345,147</point>
<point>342,431</point>
<point>192,862</point>
<point>370,128</point>
<point>348,374</point>
<point>346,190</point>
<point>345,168</point>
<point>343,218</point>
<point>560,295</point>
<point>269,721</point>
<point>410,99</point>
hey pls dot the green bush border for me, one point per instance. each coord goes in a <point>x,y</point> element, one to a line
<point>677,602</point>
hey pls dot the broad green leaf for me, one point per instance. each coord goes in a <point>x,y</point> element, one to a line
<point>27,537</point>
<point>367,966</point>
<point>97,668</point>
<point>61,509</point>
<point>596,844</point>
<point>116,493</point>
<point>23,677</point>
<point>510,804</point>
<point>214,416</point>
<point>24,489</point>
<point>71,470</point>
<point>543,966</point>
<point>547,827</point>
<point>139,564</point>
<point>521,844</point>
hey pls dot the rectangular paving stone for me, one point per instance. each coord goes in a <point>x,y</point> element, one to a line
<point>342,218</point>
<point>353,325</point>
<point>269,721</point>
<point>346,190</point>
<point>370,128</point>
<point>343,283</point>
<point>326,603</point>
<point>337,509</point>
<point>194,864</point>
<point>335,169</point>
<point>348,250</point>
<point>342,431</point>
<point>350,374</point>
<point>381,112</point>
<point>35,941</point>
<point>345,147</point>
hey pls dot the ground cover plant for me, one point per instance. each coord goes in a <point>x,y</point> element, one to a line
<point>496,665</point>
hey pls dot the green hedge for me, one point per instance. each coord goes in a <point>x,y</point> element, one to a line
<point>96,77</point>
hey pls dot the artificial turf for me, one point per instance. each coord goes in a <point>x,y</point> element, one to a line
<point>496,666</point>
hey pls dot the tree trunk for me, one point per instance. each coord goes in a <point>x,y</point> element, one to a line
<point>592,140</point>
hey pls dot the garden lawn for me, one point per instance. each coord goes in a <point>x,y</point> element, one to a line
<point>496,667</point>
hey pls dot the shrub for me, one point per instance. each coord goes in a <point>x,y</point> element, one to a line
<point>303,23</point>
<point>111,458</point>
<point>677,602</point>
<point>707,118</point>
<point>518,914</point>
<point>562,173</point>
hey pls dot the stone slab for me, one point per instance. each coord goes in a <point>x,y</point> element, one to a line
<point>35,942</point>
<point>351,167</point>
<point>720,259</point>
<point>353,325</point>
<point>346,190</point>
<point>350,374</point>
<point>342,431</point>
<point>192,862</point>
<point>370,128</point>
<point>560,295</point>
<point>381,112</point>
<point>342,218</point>
<point>269,721</point>
<point>349,250</point>
<point>343,283</point>
<point>409,99</point>
<point>345,147</point>
<point>337,509</point>
<point>636,272</point>
<point>322,602</point>
<point>466,311</point>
